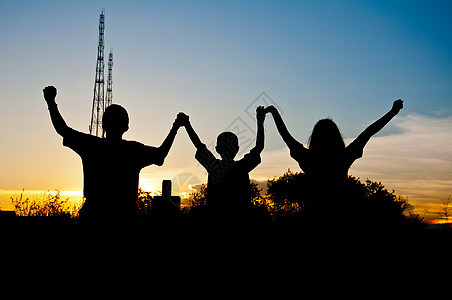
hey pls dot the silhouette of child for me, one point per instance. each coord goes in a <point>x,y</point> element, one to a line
<point>111,165</point>
<point>228,183</point>
<point>327,159</point>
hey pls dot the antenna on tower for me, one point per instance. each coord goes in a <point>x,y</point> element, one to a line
<point>109,95</point>
<point>98,100</point>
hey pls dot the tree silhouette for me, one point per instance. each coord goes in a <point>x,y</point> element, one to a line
<point>144,203</point>
<point>286,188</point>
<point>258,211</point>
<point>367,204</point>
<point>199,199</point>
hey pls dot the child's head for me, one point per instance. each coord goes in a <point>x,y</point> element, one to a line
<point>326,137</point>
<point>115,120</point>
<point>227,145</point>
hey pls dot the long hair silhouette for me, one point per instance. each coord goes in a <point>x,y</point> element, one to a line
<point>326,161</point>
<point>326,138</point>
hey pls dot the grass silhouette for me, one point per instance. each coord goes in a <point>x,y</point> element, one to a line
<point>45,205</point>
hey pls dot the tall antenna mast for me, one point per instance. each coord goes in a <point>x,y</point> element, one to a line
<point>98,100</point>
<point>109,95</point>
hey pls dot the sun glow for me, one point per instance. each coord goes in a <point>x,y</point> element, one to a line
<point>6,196</point>
<point>150,185</point>
<point>447,220</point>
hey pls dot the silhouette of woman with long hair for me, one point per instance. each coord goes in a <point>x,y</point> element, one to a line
<point>327,160</point>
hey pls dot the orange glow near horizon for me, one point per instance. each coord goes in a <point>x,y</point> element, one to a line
<point>441,221</point>
<point>7,195</point>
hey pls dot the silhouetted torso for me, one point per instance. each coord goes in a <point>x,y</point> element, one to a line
<point>228,183</point>
<point>111,173</point>
<point>332,167</point>
<point>325,177</point>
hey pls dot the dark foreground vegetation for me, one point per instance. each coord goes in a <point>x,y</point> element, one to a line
<point>366,209</point>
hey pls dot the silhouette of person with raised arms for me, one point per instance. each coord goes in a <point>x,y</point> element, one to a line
<point>228,183</point>
<point>111,165</point>
<point>327,160</point>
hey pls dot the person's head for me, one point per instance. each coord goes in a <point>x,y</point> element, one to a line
<point>227,145</point>
<point>326,137</point>
<point>115,120</point>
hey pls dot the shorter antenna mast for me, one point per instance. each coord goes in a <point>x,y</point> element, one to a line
<point>109,95</point>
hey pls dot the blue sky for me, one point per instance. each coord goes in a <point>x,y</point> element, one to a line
<point>348,60</point>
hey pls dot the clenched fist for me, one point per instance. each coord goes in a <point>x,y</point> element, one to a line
<point>50,93</point>
<point>397,105</point>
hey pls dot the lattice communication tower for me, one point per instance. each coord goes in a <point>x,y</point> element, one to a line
<point>100,102</point>
<point>109,94</point>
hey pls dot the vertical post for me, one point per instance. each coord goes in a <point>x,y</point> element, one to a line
<point>166,205</point>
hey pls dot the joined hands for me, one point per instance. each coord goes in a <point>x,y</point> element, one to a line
<point>260,113</point>
<point>181,120</point>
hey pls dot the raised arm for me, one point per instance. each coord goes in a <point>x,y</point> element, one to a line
<point>58,122</point>
<point>191,133</point>
<point>260,136</point>
<point>375,127</point>
<point>290,141</point>
<point>168,142</point>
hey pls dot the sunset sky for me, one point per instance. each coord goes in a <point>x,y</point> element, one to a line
<point>218,60</point>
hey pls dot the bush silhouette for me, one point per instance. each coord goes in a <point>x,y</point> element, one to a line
<point>144,203</point>
<point>368,203</point>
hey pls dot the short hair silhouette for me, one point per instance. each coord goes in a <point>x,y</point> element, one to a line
<point>228,183</point>
<point>115,118</point>
<point>227,144</point>
<point>111,165</point>
<point>326,137</point>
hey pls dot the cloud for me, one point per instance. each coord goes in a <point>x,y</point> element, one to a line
<point>416,161</point>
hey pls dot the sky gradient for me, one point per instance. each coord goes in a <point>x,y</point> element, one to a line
<point>215,60</point>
